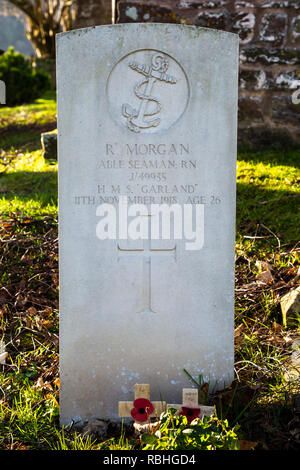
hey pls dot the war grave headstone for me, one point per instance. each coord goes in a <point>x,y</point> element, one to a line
<point>147,123</point>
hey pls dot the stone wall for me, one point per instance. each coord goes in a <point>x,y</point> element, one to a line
<point>93,13</point>
<point>269,33</point>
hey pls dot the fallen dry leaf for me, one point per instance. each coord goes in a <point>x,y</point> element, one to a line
<point>238,330</point>
<point>49,396</point>
<point>238,337</point>
<point>247,445</point>
<point>265,277</point>
<point>39,383</point>
<point>32,311</point>
<point>277,327</point>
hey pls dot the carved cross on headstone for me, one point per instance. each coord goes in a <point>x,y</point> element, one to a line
<point>146,253</point>
<point>190,404</point>
<point>138,410</point>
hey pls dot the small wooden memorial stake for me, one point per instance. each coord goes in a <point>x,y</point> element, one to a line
<point>190,401</point>
<point>3,353</point>
<point>141,391</point>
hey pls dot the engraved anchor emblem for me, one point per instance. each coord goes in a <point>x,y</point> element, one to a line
<point>136,119</point>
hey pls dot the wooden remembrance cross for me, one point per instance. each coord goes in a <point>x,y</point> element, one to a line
<point>141,391</point>
<point>190,400</point>
<point>146,253</point>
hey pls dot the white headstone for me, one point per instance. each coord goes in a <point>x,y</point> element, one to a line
<point>147,114</point>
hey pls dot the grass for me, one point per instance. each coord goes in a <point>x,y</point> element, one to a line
<point>42,111</point>
<point>28,185</point>
<point>261,400</point>
<point>268,193</point>
<point>21,126</point>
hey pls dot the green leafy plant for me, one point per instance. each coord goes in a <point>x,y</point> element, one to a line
<point>175,432</point>
<point>23,83</point>
<point>72,442</point>
<point>203,387</point>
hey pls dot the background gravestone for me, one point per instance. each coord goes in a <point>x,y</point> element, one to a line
<point>12,29</point>
<point>2,92</point>
<point>141,311</point>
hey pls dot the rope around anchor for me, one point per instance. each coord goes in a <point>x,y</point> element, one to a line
<point>143,96</point>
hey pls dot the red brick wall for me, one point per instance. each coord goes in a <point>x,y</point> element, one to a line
<point>269,33</point>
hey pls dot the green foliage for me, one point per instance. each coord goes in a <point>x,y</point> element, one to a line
<point>29,185</point>
<point>72,442</point>
<point>27,416</point>
<point>23,83</point>
<point>119,444</point>
<point>268,197</point>
<point>176,433</point>
<point>203,387</point>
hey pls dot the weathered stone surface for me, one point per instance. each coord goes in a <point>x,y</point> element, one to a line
<point>250,109</point>
<point>93,12</point>
<point>196,4</point>
<point>49,145</point>
<point>209,4</point>
<point>132,12</point>
<point>243,23</point>
<point>273,28</point>
<point>251,79</point>
<point>263,137</point>
<point>281,4</point>
<point>96,428</point>
<point>265,56</point>
<point>216,20</point>
<point>283,110</point>
<point>289,80</point>
<point>244,4</point>
<point>144,309</point>
<point>290,308</point>
<point>295,29</point>
<point>105,429</point>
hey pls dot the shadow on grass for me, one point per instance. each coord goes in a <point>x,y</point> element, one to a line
<point>25,186</point>
<point>274,424</point>
<point>272,157</point>
<point>24,138</point>
<point>278,210</point>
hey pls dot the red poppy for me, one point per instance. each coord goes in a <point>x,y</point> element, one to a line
<point>190,413</point>
<point>143,408</point>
